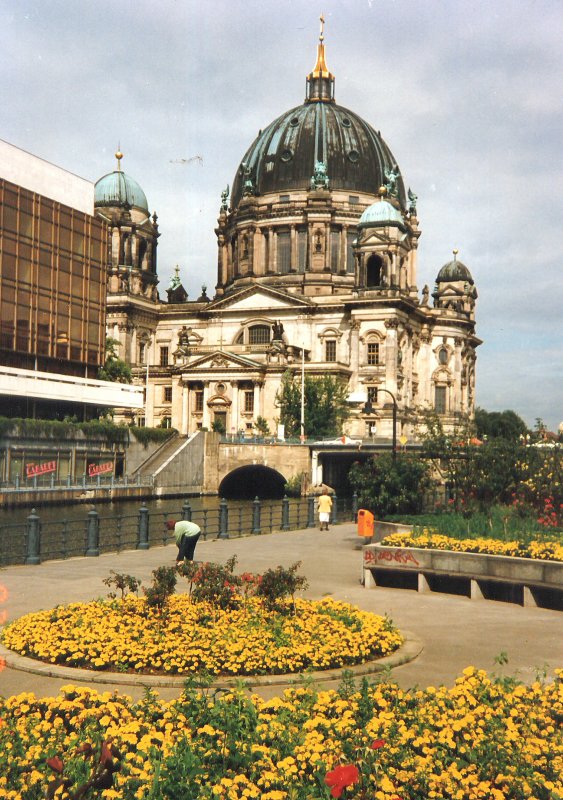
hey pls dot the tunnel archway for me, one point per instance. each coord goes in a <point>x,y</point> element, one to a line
<point>254,480</point>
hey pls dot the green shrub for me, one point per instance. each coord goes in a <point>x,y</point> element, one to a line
<point>57,429</point>
<point>147,435</point>
<point>279,584</point>
<point>391,485</point>
<point>125,583</point>
<point>293,486</point>
<point>163,585</point>
<point>213,583</point>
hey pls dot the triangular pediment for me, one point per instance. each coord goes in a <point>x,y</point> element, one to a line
<point>374,238</point>
<point>257,298</point>
<point>219,359</point>
<point>451,290</point>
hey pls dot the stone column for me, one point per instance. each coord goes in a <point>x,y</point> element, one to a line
<point>258,252</point>
<point>343,248</point>
<point>206,419</point>
<point>185,427</point>
<point>256,399</point>
<point>274,250</point>
<point>128,250</point>
<point>294,258</point>
<point>391,356</point>
<point>354,353</point>
<point>235,406</point>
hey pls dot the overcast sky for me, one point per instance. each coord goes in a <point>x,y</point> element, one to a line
<point>468,94</point>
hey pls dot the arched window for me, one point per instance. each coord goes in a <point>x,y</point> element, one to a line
<point>440,399</point>
<point>259,334</point>
<point>374,269</point>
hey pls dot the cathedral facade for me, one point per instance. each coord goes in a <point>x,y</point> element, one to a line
<point>317,274</point>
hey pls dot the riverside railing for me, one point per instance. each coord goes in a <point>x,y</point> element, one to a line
<point>33,540</point>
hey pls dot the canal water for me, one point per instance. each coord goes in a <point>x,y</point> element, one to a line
<point>171,506</point>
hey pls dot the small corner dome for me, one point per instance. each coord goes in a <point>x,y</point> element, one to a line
<point>118,190</point>
<point>454,271</point>
<point>380,213</point>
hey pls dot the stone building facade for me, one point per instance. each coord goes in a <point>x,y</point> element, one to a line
<point>317,272</point>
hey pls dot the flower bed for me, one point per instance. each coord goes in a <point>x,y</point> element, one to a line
<point>542,550</point>
<point>482,739</point>
<point>251,639</point>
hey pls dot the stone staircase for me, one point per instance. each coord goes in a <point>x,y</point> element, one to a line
<point>177,466</point>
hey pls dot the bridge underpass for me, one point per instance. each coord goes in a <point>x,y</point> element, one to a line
<point>335,467</point>
<point>250,481</point>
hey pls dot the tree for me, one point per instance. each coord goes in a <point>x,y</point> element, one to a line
<point>115,369</point>
<point>262,426</point>
<point>387,485</point>
<point>478,474</point>
<point>499,424</point>
<point>326,406</point>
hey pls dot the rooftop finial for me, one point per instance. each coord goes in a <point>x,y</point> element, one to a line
<point>455,252</point>
<point>119,156</point>
<point>320,82</point>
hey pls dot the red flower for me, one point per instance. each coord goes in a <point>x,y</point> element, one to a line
<point>377,744</point>
<point>341,777</point>
<point>56,764</point>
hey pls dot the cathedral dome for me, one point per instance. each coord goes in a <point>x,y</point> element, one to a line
<point>454,271</point>
<point>118,190</point>
<point>380,213</point>
<point>284,156</point>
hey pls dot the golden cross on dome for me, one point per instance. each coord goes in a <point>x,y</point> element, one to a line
<point>322,19</point>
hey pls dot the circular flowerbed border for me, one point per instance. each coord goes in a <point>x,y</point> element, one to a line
<point>193,638</point>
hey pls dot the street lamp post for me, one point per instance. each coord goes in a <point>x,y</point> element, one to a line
<point>368,409</point>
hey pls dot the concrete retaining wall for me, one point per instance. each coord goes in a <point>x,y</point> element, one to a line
<point>537,582</point>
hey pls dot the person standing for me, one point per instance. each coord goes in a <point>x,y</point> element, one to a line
<point>325,507</point>
<point>186,534</point>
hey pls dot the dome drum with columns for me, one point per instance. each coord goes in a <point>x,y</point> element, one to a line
<point>317,246</point>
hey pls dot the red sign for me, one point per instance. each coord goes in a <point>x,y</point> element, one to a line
<point>99,469</point>
<point>32,470</point>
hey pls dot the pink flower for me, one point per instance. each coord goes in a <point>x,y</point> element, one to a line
<point>341,777</point>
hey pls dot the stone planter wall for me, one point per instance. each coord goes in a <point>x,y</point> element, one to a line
<point>476,575</point>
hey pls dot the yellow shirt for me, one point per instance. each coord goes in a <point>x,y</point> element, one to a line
<point>325,504</point>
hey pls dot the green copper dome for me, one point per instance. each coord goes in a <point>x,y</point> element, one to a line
<point>318,145</point>
<point>380,213</point>
<point>116,189</point>
<point>454,271</point>
<point>284,155</point>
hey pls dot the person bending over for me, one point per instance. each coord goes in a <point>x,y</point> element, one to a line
<point>186,534</point>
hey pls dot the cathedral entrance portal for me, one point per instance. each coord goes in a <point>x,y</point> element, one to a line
<point>220,420</point>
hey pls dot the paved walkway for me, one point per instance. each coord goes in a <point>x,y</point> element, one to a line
<point>455,632</point>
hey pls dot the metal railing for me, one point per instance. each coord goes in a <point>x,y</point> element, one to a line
<point>51,483</point>
<point>34,541</point>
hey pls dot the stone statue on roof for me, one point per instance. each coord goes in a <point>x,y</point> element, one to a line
<point>392,176</point>
<point>248,186</point>
<point>225,199</point>
<point>320,176</point>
